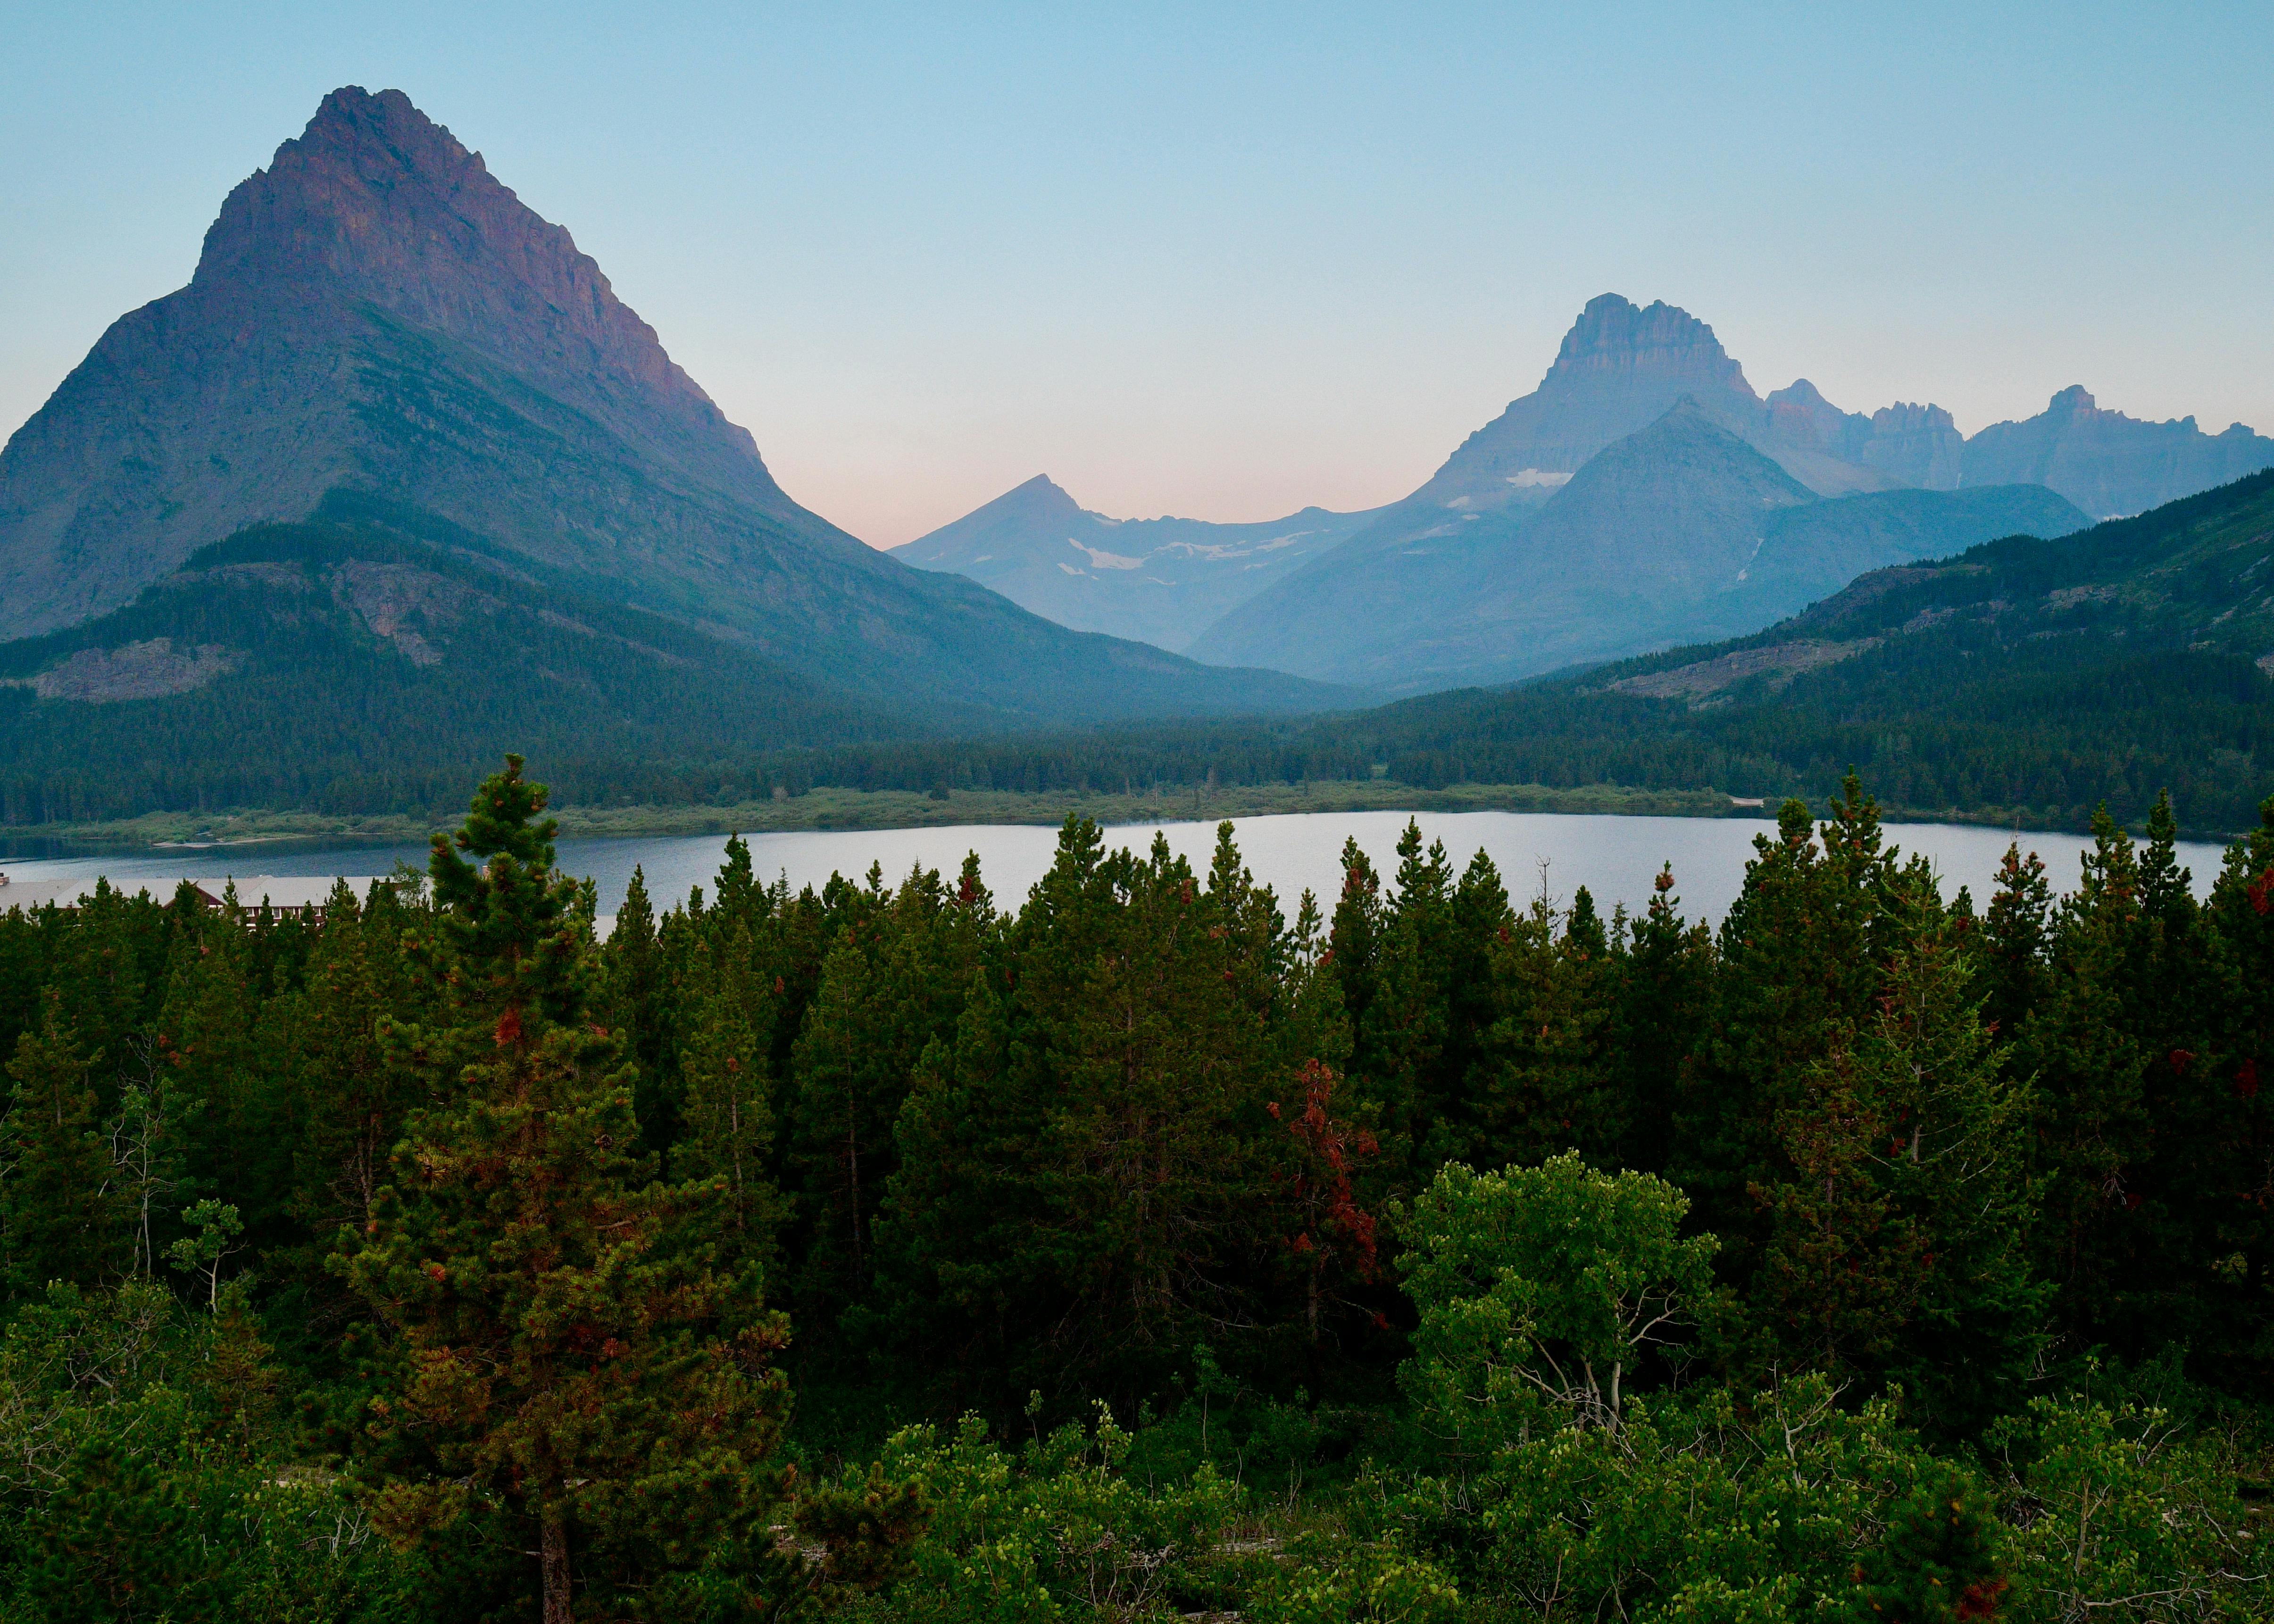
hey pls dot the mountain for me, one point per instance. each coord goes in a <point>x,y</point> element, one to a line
<point>1619,368</point>
<point>1904,444</point>
<point>1513,558</point>
<point>2023,679</point>
<point>2109,464</point>
<point>1446,588</point>
<point>374,313</point>
<point>1680,531</point>
<point>1811,552</point>
<point>1160,580</point>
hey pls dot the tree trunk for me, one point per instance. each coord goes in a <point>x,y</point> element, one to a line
<point>554,1559</point>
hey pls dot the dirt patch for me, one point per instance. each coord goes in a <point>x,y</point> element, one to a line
<point>150,670</point>
<point>1784,660</point>
<point>411,608</point>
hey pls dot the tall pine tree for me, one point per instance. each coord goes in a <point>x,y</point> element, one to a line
<point>567,1363</point>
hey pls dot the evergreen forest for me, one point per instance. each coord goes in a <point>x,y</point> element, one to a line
<point>1148,1246</point>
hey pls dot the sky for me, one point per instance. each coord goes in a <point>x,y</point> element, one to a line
<point>1224,261</point>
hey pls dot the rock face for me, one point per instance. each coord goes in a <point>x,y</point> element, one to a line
<point>375,314</point>
<point>1160,580</point>
<point>1916,444</point>
<point>1903,444</point>
<point>2107,463</point>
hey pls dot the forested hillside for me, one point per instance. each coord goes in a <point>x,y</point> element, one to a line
<point>352,663</point>
<point>1148,1246</point>
<point>376,657</point>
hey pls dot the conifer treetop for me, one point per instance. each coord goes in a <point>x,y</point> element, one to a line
<point>508,920</point>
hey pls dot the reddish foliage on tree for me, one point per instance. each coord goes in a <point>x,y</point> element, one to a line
<point>1330,1226</point>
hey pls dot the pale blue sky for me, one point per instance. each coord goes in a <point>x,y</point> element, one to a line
<point>1223,262</point>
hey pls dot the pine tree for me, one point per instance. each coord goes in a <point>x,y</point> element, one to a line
<point>239,1129</point>
<point>1542,1085</point>
<point>1955,1165</point>
<point>1939,1562</point>
<point>893,984</point>
<point>1842,1265</point>
<point>1152,1178</point>
<point>2017,935</point>
<point>116,1543</point>
<point>1353,935</point>
<point>2093,1137</point>
<point>1400,1011</point>
<point>2228,1261</point>
<point>1664,976</point>
<point>350,1091</point>
<point>61,1218</point>
<point>110,973</point>
<point>1800,953</point>
<point>633,998</point>
<point>1329,1238</point>
<point>727,1116</point>
<point>565,1353</point>
<point>959,1274</point>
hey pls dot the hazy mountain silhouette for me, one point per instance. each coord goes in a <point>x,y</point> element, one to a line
<point>2107,463</point>
<point>1162,581</point>
<point>1619,368</point>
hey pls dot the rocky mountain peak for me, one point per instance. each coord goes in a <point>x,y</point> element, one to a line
<point>377,202</point>
<point>1039,497</point>
<point>1799,414</point>
<point>2108,463</point>
<point>1616,339</point>
<point>364,310</point>
<point>1802,393</point>
<point>1619,367</point>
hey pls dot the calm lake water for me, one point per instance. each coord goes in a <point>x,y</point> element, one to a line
<point>1615,858</point>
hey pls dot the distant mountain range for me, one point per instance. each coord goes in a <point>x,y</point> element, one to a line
<point>374,313</point>
<point>1676,533</point>
<point>1643,494</point>
<point>1159,580</point>
<point>2107,463</point>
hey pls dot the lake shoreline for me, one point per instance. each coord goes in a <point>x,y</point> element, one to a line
<point>833,808</point>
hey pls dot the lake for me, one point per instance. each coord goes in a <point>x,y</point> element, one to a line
<point>1615,858</point>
